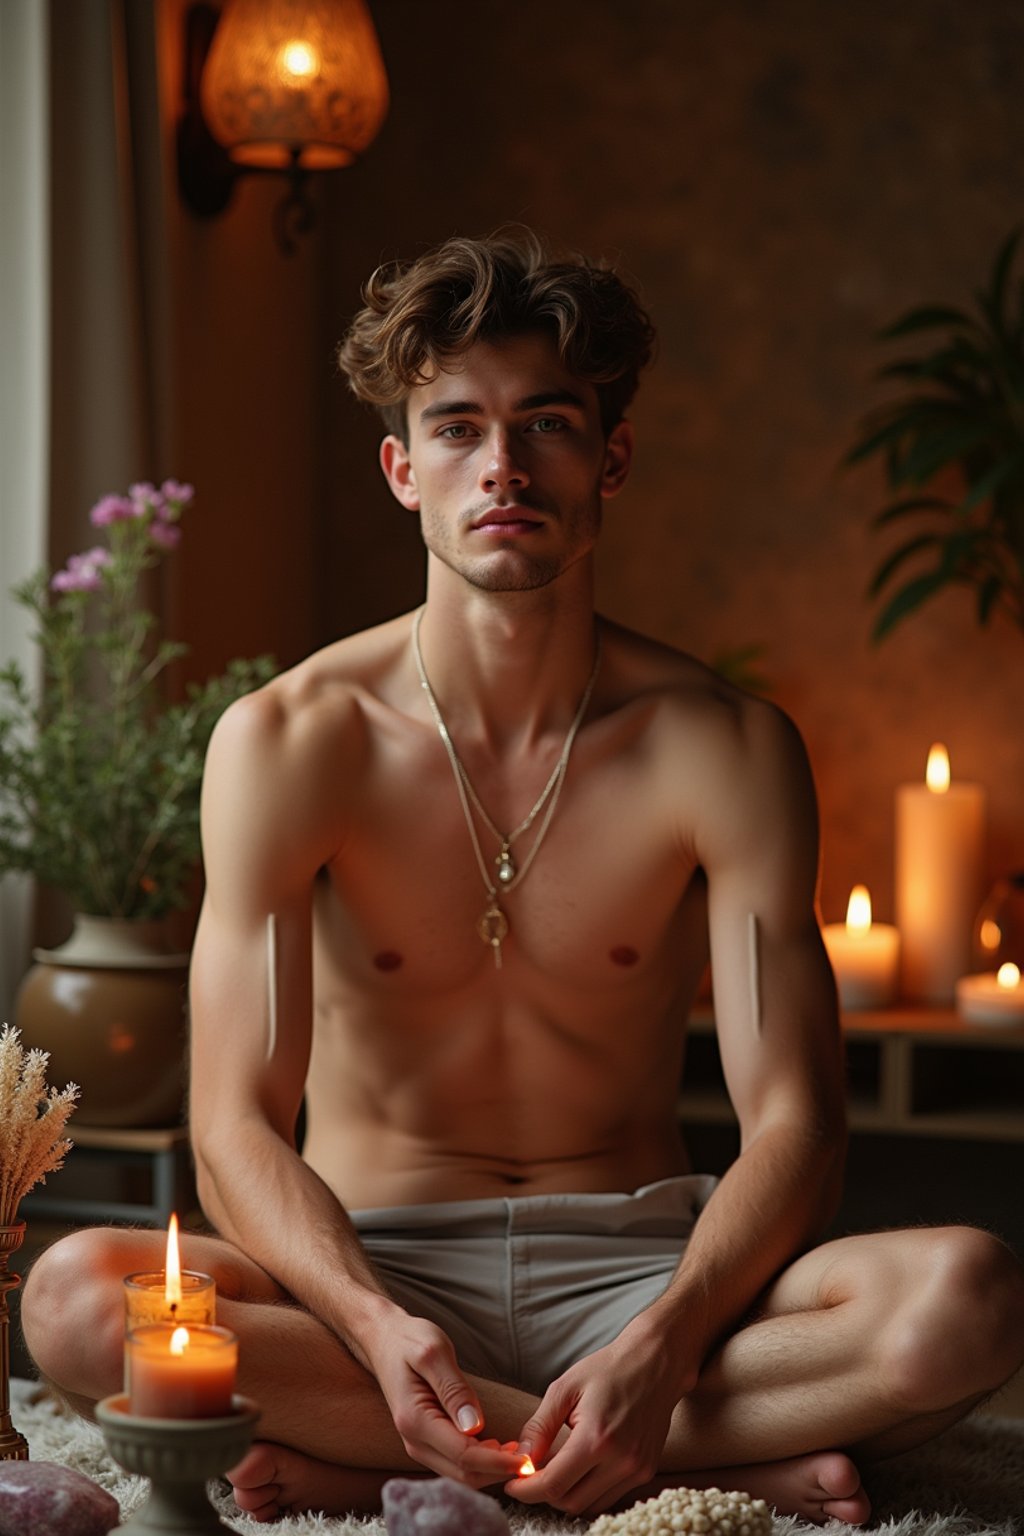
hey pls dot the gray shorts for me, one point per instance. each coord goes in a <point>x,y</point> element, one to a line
<point>526,1287</point>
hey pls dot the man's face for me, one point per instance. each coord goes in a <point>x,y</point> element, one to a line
<point>507,464</point>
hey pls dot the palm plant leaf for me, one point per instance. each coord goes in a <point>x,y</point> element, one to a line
<point>928,317</point>
<point>899,557</point>
<point>909,506</point>
<point>961,414</point>
<point>907,599</point>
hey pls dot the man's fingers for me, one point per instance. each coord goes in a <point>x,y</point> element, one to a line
<point>538,1433</point>
<point>575,1480</point>
<point>438,1367</point>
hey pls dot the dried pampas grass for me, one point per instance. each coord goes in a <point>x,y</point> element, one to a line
<point>32,1121</point>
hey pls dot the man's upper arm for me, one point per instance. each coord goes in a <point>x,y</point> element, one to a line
<point>251,982</point>
<point>775,1001</point>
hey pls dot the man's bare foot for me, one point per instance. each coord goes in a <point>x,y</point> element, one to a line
<point>273,1480</point>
<point>823,1486</point>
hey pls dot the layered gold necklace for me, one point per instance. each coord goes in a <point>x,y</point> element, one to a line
<point>493,925</point>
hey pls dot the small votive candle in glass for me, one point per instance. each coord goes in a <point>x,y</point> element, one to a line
<point>171,1295</point>
<point>147,1300</point>
<point>180,1373</point>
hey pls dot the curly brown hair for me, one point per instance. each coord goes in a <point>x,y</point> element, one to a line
<point>419,314</point>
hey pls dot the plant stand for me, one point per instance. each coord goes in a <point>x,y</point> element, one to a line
<point>13,1446</point>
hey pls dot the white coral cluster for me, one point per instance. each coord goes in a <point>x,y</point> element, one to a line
<point>708,1511</point>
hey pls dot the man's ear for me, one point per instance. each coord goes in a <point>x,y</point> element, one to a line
<point>399,473</point>
<point>618,457</point>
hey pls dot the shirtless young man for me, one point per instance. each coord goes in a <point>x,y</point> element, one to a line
<point>489,1234</point>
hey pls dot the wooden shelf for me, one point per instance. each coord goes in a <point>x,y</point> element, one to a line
<point>911,1070</point>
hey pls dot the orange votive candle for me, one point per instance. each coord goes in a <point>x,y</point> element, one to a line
<point>180,1373</point>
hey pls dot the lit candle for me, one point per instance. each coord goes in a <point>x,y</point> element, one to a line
<point>992,999</point>
<point>170,1295</point>
<point>864,955</point>
<point>940,833</point>
<point>180,1373</point>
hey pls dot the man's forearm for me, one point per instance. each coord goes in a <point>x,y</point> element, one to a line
<point>774,1199</point>
<point>262,1197</point>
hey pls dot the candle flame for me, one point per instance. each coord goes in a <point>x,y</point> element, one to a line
<point>936,774</point>
<point>172,1269</point>
<point>179,1341</point>
<point>526,1467</point>
<point>298,59</point>
<point>1008,975</point>
<point>858,910</point>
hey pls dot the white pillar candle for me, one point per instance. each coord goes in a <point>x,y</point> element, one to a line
<point>940,834</point>
<point>864,955</point>
<point>992,999</point>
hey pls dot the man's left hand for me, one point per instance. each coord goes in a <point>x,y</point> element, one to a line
<point>617,1405</point>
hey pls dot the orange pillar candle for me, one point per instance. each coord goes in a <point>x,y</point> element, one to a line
<point>170,1295</point>
<point>180,1373</point>
<point>940,834</point>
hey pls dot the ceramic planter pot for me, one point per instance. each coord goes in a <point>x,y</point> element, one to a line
<point>109,1007</point>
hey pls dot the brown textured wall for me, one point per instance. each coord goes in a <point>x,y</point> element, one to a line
<point>780,179</point>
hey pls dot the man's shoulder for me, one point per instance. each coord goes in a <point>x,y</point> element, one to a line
<point>321,703</point>
<point>686,693</point>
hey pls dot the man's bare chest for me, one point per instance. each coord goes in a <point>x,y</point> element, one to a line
<point>607,899</point>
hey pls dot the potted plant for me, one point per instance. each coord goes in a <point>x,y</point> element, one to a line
<point>953,447</point>
<point>99,796</point>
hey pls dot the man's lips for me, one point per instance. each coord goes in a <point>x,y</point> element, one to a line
<point>508,519</point>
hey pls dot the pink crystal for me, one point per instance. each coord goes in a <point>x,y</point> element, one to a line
<point>39,1498</point>
<point>439,1506</point>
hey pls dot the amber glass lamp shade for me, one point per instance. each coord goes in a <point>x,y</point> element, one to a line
<point>294,83</point>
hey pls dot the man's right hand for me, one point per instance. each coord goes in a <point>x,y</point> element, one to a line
<point>435,1410</point>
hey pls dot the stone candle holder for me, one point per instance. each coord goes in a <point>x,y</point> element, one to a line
<point>179,1456</point>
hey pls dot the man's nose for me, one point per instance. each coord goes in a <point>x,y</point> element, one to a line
<point>503,467</point>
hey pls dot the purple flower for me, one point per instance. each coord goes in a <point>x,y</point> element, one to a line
<point>83,573</point>
<point>165,535</point>
<point>176,492</point>
<point>110,509</point>
<point>145,499</point>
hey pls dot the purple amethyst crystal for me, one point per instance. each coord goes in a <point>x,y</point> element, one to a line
<point>39,1498</point>
<point>439,1506</point>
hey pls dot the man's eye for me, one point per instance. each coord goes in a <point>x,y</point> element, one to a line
<point>455,429</point>
<point>546,424</point>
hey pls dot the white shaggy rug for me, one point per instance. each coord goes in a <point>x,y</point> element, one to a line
<point>969,1482</point>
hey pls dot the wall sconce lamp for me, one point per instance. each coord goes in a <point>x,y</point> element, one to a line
<point>287,86</point>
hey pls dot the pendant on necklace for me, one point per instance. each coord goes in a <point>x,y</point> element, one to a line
<point>492,928</point>
<point>506,865</point>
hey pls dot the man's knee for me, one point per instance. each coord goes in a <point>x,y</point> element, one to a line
<point>960,1330</point>
<point>72,1309</point>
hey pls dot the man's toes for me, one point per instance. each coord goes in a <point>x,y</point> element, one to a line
<point>257,1468</point>
<point>837,1476</point>
<point>853,1511</point>
<point>845,1499</point>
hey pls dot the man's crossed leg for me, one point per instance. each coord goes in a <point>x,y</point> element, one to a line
<point>863,1347</point>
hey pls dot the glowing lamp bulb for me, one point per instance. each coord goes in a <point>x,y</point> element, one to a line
<point>936,774</point>
<point>298,60</point>
<point>179,1341</point>
<point>858,910</point>
<point>526,1467</point>
<point>172,1266</point>
<point>1008,975</point>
